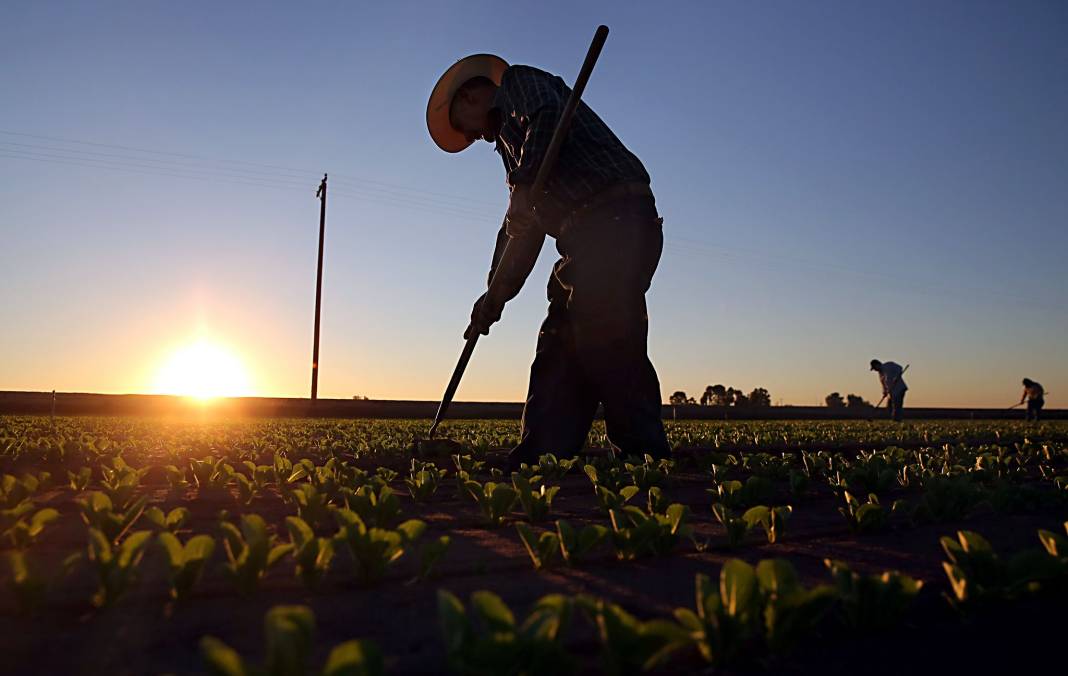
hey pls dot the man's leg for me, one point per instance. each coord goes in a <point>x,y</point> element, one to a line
<point>897,402</point>
<point>560,407</point>
<point>609,262</point>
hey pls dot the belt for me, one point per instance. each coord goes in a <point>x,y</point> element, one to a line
<point>611,194</point>
<point>565,215</point>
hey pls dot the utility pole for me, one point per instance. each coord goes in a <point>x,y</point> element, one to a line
<point>321,194</point>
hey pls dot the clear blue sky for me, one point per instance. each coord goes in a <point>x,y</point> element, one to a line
<point>839,181</point>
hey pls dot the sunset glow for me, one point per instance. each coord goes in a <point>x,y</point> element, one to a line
<point>203,370</point>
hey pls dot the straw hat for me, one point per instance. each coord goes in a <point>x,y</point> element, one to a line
<point>437,109</point>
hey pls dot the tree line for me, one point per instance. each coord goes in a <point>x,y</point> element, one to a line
<point>835,400</point>
<point>719,395</point>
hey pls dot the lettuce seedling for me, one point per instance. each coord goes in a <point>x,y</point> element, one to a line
<point>115,566</point>
<point>868,517</point>
<point>495,500</point>
<point>375,549</point>
<point>727,616</point>
<point>376,509</point>
<point>735,525</point>
<point>630,645</point>
<point>872,603</point>
<point>250,552</point>
<point>649,474</point>
<point>176,477</point>
<point>211,474</point>
<point>605,477</point>
<point>79,480</point>
<point>99,513</point>
<point>313,506</point>
<point>576,545</point>
<point>312,554</point>
<point>172,521</point>
<point>430,554</point>
<point>608,500</point>
<point>19,529</point>
<point>553,468</point>
<point>120,482</point>
<point>289,632</point>
<point>635,533</point>
<point>791,612</point>
<point>466,463</point>
<point>423,480</point>
<point>536,503</point>
<point>185,563</point>
<point>771,519</point>
<point>486,639</point>
<point>543,549</point>
<point>656,501</point>
<point>14,490</point>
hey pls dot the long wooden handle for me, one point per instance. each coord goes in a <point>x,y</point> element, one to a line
<point>526,252</point>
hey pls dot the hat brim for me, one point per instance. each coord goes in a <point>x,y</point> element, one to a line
<point>437,108</point>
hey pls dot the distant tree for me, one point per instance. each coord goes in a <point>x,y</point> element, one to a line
<point>719,396</point>
<point>737,397</point>
<point>359,397</point>
<point>857,401</point>
<point>834,400</point>
<point>707,396</point>
<point>679,398</point>
<point>759,397</point>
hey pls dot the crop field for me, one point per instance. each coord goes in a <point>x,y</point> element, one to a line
<point>164,546</point>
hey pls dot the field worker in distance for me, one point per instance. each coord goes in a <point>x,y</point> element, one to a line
<point>1035,396</point>
<point>597,204</point>
<point>894,387</point>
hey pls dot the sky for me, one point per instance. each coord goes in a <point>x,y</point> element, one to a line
<point>839,181</point>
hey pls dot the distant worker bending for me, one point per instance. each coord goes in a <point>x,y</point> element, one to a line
<point>1035,396</point>
<point>894,387</point>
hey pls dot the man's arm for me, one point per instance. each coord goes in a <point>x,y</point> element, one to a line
<point>498,250</point>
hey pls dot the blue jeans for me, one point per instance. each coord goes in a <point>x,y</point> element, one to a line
<point>592,347</point>
<point>1034,407</point>
<point>895,404</point>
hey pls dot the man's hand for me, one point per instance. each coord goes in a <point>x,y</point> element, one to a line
<point>520,219</point>
<point>485,313</point>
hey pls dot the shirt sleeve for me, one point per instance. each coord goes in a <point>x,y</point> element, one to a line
<point>538,105</point>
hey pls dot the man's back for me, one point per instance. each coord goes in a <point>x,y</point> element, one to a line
<point>591,159</point>
<point>891,377</point>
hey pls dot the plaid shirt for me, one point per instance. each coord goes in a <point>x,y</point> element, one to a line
<point>591,158</point>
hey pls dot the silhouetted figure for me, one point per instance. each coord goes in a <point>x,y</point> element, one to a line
<point>592,347</point>
<point>894,387</point>
<point>1035,396</point>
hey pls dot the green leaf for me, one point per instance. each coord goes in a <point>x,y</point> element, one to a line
<point>455,627</point>
<point>777,576</point>
<point>494,613</point>
<point>737,588</point>
<point>221,659</point>
<point>355,658</point>
<point>172,547</point>
<point>288,631</point>
<point>299,530</point>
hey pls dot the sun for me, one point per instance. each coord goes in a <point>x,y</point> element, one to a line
<point>203,370</point>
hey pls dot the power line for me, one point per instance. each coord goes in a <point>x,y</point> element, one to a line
<point>302,174</point>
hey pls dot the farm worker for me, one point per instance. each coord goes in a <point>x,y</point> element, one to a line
<point>894,387</point>
<point>597,205</point>
<point>1035,396</point>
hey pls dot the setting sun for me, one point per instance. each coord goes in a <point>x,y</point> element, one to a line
<point>203,370</point>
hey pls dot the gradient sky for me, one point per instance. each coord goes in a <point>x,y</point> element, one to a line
<point>839,181</point>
